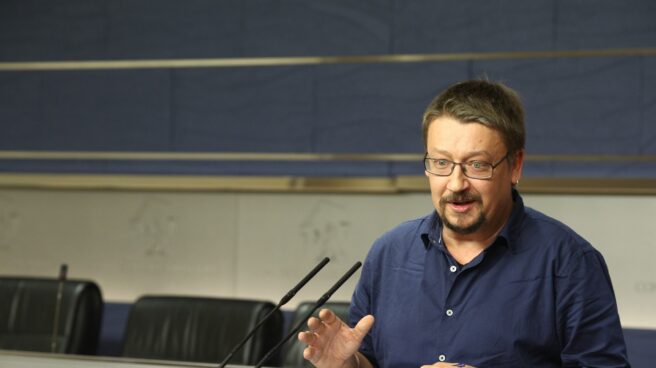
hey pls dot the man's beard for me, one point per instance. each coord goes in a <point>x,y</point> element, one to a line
<point>463,230</point>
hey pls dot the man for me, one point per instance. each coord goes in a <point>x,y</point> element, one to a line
<point>483,281</point>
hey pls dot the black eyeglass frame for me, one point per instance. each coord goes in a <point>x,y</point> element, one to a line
<point>463,166</point>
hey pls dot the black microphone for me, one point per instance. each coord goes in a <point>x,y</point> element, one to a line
<point>63,270</point>
<point>282,302</point>
<point>321,301</point>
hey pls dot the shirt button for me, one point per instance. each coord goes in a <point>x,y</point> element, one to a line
<point>449,312</point>
<point>453,268</point>
<point>441,358</point>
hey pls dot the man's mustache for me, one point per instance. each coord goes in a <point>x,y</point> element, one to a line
<point>459,197</point>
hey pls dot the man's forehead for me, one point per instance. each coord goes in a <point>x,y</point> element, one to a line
<point>450,135</point>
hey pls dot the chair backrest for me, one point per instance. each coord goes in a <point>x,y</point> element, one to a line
<point>292,355</point>
<point>198,329</point>
<point>27,315</point>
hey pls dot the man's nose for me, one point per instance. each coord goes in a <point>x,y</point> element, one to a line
<point>457,180</point>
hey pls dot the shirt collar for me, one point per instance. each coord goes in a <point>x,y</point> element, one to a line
<point>431,232</point>
<point>509,230</point>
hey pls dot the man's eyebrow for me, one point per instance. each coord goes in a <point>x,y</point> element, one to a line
<point>480,152</point>
<point>440,152</point>
<point>469,154</point>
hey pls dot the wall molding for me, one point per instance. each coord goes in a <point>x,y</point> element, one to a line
<point>276,156</point>
<point>305,184</point>
<point>314,60</point>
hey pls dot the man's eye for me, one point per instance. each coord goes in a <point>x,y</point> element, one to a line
<point>478,165</point>
<point>441,163</point>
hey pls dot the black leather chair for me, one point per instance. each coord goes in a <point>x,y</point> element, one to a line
<point>198,329</point>
<point>293,352</point>
<point>27,315</point>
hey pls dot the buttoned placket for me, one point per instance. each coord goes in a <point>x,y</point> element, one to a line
<point>449,312</point>
<point>453,276</point>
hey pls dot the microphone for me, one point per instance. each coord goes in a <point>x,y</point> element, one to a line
<point>321,301</point>
<point>63,270</point>
<point>287,297</point>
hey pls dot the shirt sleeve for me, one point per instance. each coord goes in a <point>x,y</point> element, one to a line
<point>360,307</point>
<point>589,325</point>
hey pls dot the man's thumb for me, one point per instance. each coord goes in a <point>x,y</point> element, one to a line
<point>364,325</point>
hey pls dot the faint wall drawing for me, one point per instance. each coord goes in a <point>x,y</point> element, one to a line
<point>644,287</point>
<point>325,231</point>
<point>9,221</point>
<point>154,226</point>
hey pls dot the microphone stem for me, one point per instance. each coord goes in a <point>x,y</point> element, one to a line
<point>243,341</point>
<point>282,302</point>
<point>289,336</point>
<point>55,327</point>
<point>321,301</point>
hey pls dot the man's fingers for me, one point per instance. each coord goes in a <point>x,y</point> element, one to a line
<point>447,365</point>
<point>363,326</point>
<point>309,353</point>
<point>314,324</point>
<point>306,338</point>
<point>327,316</point>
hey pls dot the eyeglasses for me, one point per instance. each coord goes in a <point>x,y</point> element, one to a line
<point>472,169</point>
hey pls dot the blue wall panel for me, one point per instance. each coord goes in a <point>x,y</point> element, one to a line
<point>473,26</point>
<point>86,110</point>
<point>377,108</point>
<point>244,109</point>
<point>591,24</point>
<point>575,106</point>
<point>648,107</point>
<point>155,29</point>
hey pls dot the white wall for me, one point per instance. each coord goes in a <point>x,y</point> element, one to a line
<point>259,245</point>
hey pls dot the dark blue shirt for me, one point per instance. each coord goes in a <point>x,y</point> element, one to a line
<point>539,296</point>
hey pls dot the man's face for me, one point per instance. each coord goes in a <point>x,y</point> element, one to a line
<point>471,206</point>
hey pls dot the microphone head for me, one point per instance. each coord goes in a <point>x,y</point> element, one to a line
<point>63,270</point>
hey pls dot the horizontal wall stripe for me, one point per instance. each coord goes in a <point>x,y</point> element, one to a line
<point>315,60</point>
<point>273,156</point>
<point>290,184</point>
<point>203,156</point>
